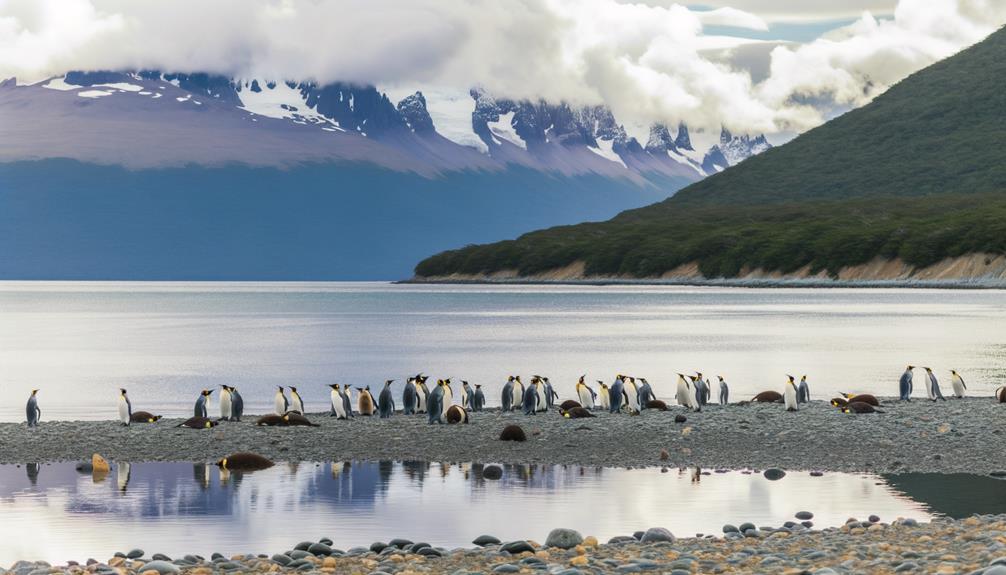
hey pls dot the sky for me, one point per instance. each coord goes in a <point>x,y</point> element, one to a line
<point>752,66</point>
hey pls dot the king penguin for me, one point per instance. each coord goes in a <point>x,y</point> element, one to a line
<point>466,395</point>
<point>435,410</point>
<point>422,394</point>
<point>789,394</point>
<point>616,394</point>
<point>803,391</point>
<point>385,402</point>
<point>905,384</point>
<point>645,393</point>
<point>347,400</point>
<point>237,404</point>
<point>518,393</point>
<point>585,394</point>
<point>31,409</point>
<point>365,401</point>
<point>682,392</point>
<point>125,408</point>
<point>604,394</point>
<point>701,388</point>
<point>448,399</point>
<point>338,405</point>
<point>933,389</point>
<point>530,403</point>
<point>200,408</point>
<point>724,391</point>
<point>958,384</point>
<point>409,397</point>
<point>296,403</point>
<point>550,394</point>
<point>506,397</point>
<point>631,394</point>
<point>479,399</point>
<point>225,403</point>
<point>280,402</point>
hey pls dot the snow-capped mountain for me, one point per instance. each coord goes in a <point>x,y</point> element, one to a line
<point>171,119</point>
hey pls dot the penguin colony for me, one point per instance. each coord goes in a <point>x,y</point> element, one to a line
<point>626,394</point>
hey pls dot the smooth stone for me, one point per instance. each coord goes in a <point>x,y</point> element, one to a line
<point>217,557</point>
<point>774,474</point>
<point>637,535</point>
<point>730,529</point>
<point>483,540</point>
<point>804,515</point>
<point>162,567</point>
<point>998,561</point>
<point>228,565</point>
<point>655,534</point>
<point>299,554</point>
<point>429,552</point>
<point>563,538</point>
<point>621,539</point>
<point>629,568</point>
<point>160,557</point>
<point>906,566</point>
<point>319,549</point>
<point>874,519</point>
<point>680,418</point>
<point>825,571</point>
<point>282,559</point>
<point>746,526</point>
<point>134,554</point>
<point>303,545</point>
<point>506,568</point>
<point>299,563</point>
<point>515,547</point>
<point>818,474</point>
<point>909,522</point>
<point>415,547</point>
<point>995,570</point>
<point>807,524</point>
<point>377,546</point>
<point>326,541</point>
<point>399,543</point>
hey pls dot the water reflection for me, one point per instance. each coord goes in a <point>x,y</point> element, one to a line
<point>183,507</point>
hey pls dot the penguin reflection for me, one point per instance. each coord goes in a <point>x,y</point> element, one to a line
<point>122,471</point>
<point>32,469</point>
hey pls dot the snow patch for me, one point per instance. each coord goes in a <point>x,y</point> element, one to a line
<point>284,103</point>
<point>93,93</point>
<point>124,86</point>
<point>59,84</point>
<point>504,129</point>
<point>681,158</point>
<point>184,98</point>
<point>605,149</point>
<point>145,93</point>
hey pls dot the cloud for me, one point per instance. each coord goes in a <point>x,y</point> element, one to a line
<point>649,61</point>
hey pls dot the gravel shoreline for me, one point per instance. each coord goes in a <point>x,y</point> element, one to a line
<point>975,545</point>
<point>920,436</point>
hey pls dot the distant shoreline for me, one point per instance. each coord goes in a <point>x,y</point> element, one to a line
<point>794,283</point>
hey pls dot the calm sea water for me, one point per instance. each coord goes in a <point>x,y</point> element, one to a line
<point>53,512</point>
<point>80,342</point>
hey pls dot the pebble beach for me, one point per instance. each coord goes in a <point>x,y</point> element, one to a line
<point>976,545</point>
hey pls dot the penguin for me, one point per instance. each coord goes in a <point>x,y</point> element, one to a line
<point>768,397</point>
<point>197,422</point>
<point>456,414</point>
<point>422,393</point>
<point>605,394</point>
<point>466,395</point>
<point>630,391</point>
<point>292,418</point>
<point>280,403</point>
<point>530,403</point>
<point>144,417</point>
<point>933,389</point>
<point>200,407</point>
<point>693,400</point>
<point>1001,394</point>
<point>336,407</point>
<point>682,391</point>
<point>539,387</point>
<point>861,397</point>
<point>347,400</point>
<point>296,403</point>
<point>270,419</point>
<point>517,399</point>
<point>435,409</point>
<point>506,398</point>
<point>701,388</point>
<point>576,413</point>
<point>448,399</point>
<point>790,394</point>
<point>905,384</point>
<point>31,409</point>
<point>237,404</point>
<point>645,393</point>
<point>859,407</point>
<point>585,394</point>
<point>409,397</point>
<point>724,391</point>
<point>225,403</point>
<point>479,399</point>
<point>125,408</point>
<point>365,401</point>
<point>616,394</point>
<point>122,471</point>
<point>244,462</point>
<point>958,384</point>
<point>550,394</point>
<point>386,403</point>
<point>803,391</point>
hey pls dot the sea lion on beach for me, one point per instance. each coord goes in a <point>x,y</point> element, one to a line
<point>144,417</point>
<point>198,423</point>
<point>862,398</point>
<point>365,402</point>
<point>457,414</point>
<point>656,404</point>
<point>576,413</point>
<point>860,407</point>
<point>244,462</point>
<point>270,419</point>
<point>293,418</point>
<point>569,404</point>
<point>768,397</point>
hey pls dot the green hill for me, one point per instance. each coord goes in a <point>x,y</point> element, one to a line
<point>918,175</point>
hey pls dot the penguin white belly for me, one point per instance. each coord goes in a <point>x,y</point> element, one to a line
<point>682,394</point>
<point>420,401</point>
<point>296,404</point>
<point>518,396</point>
<point>585,399</point>
<point>790,397</point>
<point>632,395</point>
<point>279,405</point>
<point>340,409</point>
<point>225,404</point>
<point>541,405</point>
<point>123,410</point>
<point>448,399</point>
<point>931,390</point>
<point>958,385</point>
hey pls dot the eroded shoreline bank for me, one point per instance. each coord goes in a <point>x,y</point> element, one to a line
<point>953,436</point>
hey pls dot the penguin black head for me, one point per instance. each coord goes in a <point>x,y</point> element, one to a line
<point>478,386</point>
<point>280,387</point>
<point>122,391</point>
<point>643,379</point>
<point>719,377</point>
<point>464,382</point>
<point>511,378</point>
<point>334,386</point>
<point>388,382</point>
<point>206,392</point>
<point>293,389</point>
<point>910,367</point>
<point>582,377</point>
<point>952,372</point>
<point>33,392</point>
